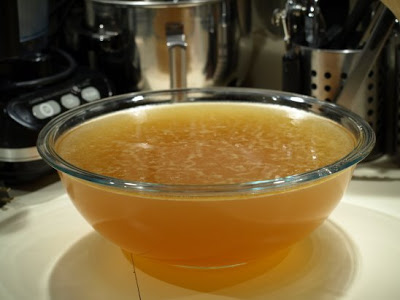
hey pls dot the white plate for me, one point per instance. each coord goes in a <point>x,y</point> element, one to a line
<point>47,251</point>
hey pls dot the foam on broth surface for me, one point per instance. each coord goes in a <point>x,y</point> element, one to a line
<point>205,143</point>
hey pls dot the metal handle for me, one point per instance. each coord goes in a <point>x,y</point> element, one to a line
<point>176,43</point>
<point>366,59</point>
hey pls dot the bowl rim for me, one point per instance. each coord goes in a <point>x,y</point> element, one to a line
<point>364,146</point>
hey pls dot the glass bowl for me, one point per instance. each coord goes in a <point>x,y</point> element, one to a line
<point>216,223</point>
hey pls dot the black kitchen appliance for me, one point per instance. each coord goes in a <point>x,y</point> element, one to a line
<point>37,83</point>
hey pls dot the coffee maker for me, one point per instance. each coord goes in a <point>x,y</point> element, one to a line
<point>38,81</point>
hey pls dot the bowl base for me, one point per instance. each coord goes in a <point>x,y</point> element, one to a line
<point>205,279</point>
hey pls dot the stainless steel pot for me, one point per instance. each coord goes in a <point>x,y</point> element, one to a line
<point>163,44</point>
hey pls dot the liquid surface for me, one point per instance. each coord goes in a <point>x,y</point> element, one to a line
<point>205,143</point>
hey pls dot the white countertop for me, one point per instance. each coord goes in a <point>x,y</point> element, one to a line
<point>47,251</point>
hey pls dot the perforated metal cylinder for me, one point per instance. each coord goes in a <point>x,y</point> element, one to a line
<point>325,73</point>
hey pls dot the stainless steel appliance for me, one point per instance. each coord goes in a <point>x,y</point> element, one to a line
<point>37,82</point>
<point>24,111</point>
<point>148,44</point>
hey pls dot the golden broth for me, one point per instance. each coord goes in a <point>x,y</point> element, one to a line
<point>206,143</point>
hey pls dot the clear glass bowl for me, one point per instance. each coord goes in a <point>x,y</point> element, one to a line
<point>213,225</point>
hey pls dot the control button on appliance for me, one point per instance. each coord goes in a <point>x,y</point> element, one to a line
<point>90,94</point>
<point>70,101</point>
<point>46,109</point>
